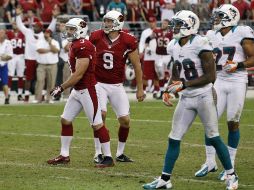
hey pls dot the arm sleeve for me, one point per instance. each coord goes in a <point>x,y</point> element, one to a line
<point>52,25</point>
<point>9,49</point>
<point>83,52</point>
<point>21,25</point>
<point>142,43</point>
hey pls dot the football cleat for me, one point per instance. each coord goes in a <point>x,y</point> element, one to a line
<point>123,158</point>
<point>232,182</point>
<point>222,176</point>
<point>20,98</point>
<point>59,160</point>
<point>98,158</point>
<point>204,170</point>
<point>106,162</point>
<point>26,98</point>
<point>158,184</point>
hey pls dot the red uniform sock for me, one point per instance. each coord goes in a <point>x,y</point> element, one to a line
<point>102,134</point>
<point>123,134</point>
<point>67,130</point>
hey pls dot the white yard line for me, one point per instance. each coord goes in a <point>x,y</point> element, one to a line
<point>109,173</point>
<point>133,120</point>
<point>130,142</point>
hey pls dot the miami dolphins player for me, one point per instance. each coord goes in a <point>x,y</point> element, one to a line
<point>193,74</point>
<point>234,50</point>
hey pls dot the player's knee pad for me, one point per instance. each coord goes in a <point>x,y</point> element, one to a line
<point>124,121</point>
<point>233,126</point>
<point>65,122</point>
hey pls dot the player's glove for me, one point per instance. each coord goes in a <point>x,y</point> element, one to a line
<point>56,91</point>
<point>176,87</point>
<point>166,98</point>
<point>231,66</point>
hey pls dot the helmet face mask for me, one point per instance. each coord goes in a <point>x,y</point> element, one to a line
<point>75,28</point>
<point>226,15</point>
<point>184,23</point>
<point>112,21</point>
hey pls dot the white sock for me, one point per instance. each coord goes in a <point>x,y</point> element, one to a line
<point>65,145</point>
<point>27,93</point>
<point>20,91</point>
<point>210,156</point>
<point>230,171</point>
<point>120,148</point>
<point>232,153</point>
<point>97,146</point>
<point>106,148</point>
<point>44,92</point>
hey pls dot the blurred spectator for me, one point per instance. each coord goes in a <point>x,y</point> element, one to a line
<point>243,8</point>
<point>203,10</point>
<point>30,19</point>
<point>75,7</point>
<point>47,49</point>
<point>63,6</point>
<point>150,8</point>
<point>252,9</point>
<point>194,5</point>
<point>17,63</point>
<point>133,11</point>
<point>214,4</point>
<point>167,9</point>
<point>118,6</point>
<point>11,10</point>
<point>183,5</point>
<point>47,6</point>
<point>31,37</point>
<point>58,36</point>
<point>87,9</point>
<point>66,70</point>
<point>6,54</point>
<point>3,5</point>
<point>29,5</point>
<point>101,7</point>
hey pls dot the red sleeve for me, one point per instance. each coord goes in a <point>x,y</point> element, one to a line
<point>84,51</point>
<point>252,5</point>
<point>133,44</point>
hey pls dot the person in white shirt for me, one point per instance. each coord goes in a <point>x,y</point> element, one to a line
<point>47,59</point>
<point>66,70</point>
<point>148,55</point>
<point>31,37</point>
<point>6,53</point>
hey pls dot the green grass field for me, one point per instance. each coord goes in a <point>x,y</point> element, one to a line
<point>29,135</point>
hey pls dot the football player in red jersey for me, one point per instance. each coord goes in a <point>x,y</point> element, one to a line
<point>163,36</point>
<point>18,60</point>
<point>113,47</point>
<point>82,59</point>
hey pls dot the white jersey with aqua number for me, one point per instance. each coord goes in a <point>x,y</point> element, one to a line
<point>229,47</point>
<point>188,61</point>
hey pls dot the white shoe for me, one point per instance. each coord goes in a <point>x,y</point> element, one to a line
<point>51,102</point>
<point>205,169</point>
<point>222,176</point>
<point>232,182</point>
<point>35,102</point>
<point>158,183</point>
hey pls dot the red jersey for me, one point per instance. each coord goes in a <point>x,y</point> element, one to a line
<point>82,48</point>
<point>162,40</point>
<point>149,7</point>
<point>17,41</point>
<point>111,56</point>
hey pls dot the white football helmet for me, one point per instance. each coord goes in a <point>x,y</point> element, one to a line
<point>226,15</point>
<point>81,29</point>
<point>129,72</point>
<point>184,23</point>
<point>118,21</point>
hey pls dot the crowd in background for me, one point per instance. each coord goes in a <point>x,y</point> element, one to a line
<point>134,10</point>
<point>41,12</point>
